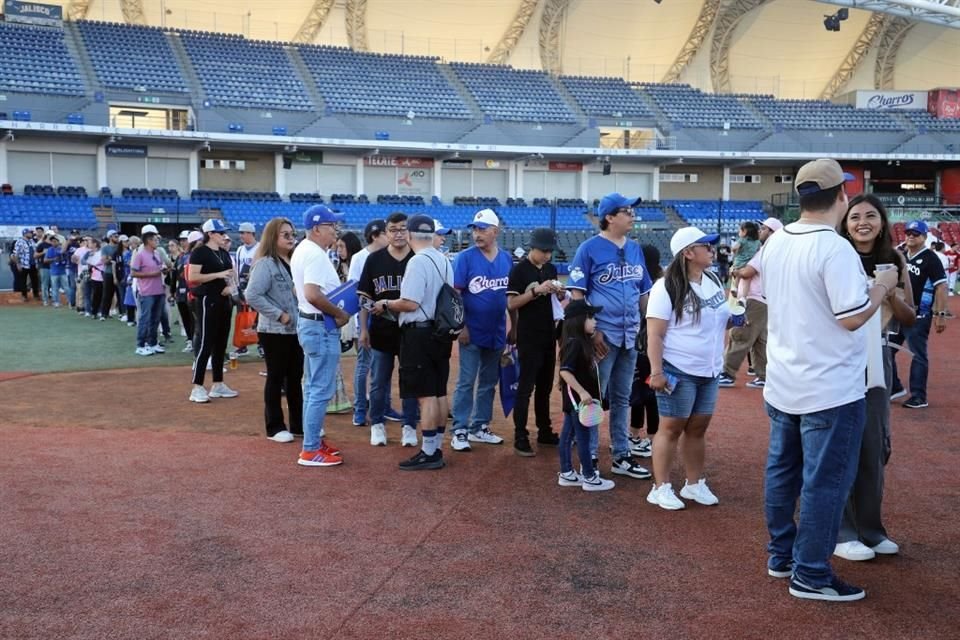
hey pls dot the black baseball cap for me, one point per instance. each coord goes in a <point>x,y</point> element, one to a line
<point>421,224</point>
<point>580,308</point>
<point>544,239</point>
<point>373,229</point>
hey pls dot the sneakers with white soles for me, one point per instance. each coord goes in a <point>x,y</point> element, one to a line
<point>854,551</point>
<point>378,435</point>
<point>596,483</point>
<point>409,436</point>
<point>199,394</point>
<point>144,351</point>
<point>568,479</point>
<point>281,436</point>
<point>641,447</point>
<point>699,492</point>
<point>887,548</point>
<point>485,435</point>
<point>220,390</point>
<point>157,348</point>
<point>627,467</point>
<point>664,497</point>
<point>460,442</point>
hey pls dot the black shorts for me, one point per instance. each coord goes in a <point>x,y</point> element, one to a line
<point>424,363</point>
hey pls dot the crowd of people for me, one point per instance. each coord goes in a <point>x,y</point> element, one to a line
<point>819,306</point>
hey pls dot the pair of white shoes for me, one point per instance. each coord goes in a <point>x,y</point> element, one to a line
<point>378,436</point>
<point>856,551</point>
<point>664,497</point>
<point>593,483</point>
<point>218,390</point>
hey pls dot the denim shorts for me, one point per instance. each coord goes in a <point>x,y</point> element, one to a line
<point>693,395</point>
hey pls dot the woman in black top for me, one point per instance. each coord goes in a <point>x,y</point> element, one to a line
<point>212,279</point>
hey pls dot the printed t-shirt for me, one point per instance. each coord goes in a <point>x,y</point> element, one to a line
<point>535,324</point>
<point>926,272</point>
<point>381,279</point>
<point>59,266</point>
<point>483,284</point>
<point>586,372</point>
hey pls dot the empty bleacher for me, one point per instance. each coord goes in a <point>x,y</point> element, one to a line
<point>505,93</point>
<point>822,115</point>
<point>924,121</point>
<point>692,108</point>
<point>131,56</point>
<point>606,97</point>
<point>36,60</point>
<point>705,213</point>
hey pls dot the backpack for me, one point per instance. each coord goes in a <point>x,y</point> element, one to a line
<point>448,319</point>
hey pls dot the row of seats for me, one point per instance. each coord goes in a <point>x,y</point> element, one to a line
<point>126,56</point>
<point>505,93</point>
<point>693,108</point>
<point>820,114</point>
<point>606,97</point>
<point>36,60</point>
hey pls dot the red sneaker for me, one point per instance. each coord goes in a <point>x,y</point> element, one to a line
<point>318,458</point>
<point>329,448</point>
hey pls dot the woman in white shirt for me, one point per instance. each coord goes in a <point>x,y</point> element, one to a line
<point>687,316</point>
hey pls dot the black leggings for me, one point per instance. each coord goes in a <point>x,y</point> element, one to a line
<point>284,358</point>
<point>186,318</point>
<point>643,399</point>
<point>212,330</point>
<point>106,296</point>
<point>96,295</point>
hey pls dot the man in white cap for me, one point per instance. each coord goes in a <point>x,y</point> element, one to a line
<point>440,235</point>
<point>167,264</point>
<point>481,274</point>
<point>184,239</point>
<point>752,337</point>
<point>818,302</point>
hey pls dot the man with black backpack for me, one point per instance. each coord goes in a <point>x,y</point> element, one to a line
<point>428,313</point>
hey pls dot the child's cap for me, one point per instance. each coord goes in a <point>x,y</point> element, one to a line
<point>580,308</point>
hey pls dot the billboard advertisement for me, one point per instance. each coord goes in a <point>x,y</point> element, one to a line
<point>891,99</point>
<point>32,12</point>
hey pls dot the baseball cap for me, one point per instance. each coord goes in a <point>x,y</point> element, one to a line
<point>320,214</point>
<point>184,234</point>
<point>687,236</point>
<point>214,225</point>
<point>773,224</point>
<point>917,226</point>
<point>124,238</point>
<point>820,175</point>
<point>26,231</point>
<point>193,236</point>
<point>373,229</point>
<point>580,308</point>
<point>421,224</point>
<point>544,239</point>
<point>110,233</point>
<point>613,201</point>
<point>440,230</point>
<point>247,227</point>
<point>148,228</point>
<point>485,218</point>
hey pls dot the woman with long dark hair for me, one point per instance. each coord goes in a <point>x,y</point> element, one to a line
<point>348,245</point>
<point>687,317</point>
<point>862,534</point>
<point>271,293</point>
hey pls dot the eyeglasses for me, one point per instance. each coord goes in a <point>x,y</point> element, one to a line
<point>626,210</point>
<point>289,235</point>
<point>397,232</point>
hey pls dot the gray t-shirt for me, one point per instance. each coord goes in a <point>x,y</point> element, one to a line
<point>422,282</point>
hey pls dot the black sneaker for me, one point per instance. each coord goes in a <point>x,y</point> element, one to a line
<point>724,380</point>
<point>836,591</point>
<point>751,371</point>
<point>521,447</point>
<point>915,403</point>
<point>548,438</point>
<point>780,570</point>
<point>627,467</point>
<point>423,461</point>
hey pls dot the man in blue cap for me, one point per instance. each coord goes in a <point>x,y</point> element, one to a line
<point>609,271</point>
<point>929,282</point>
<point>314,277</point>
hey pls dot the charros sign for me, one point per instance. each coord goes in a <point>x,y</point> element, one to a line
<point>891,100</point>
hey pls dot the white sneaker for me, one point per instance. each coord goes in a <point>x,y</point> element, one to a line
<point>280,436</point>
<point>409,437</point>
<point>144,351</point>
<point>596,483</point>
<point>157,349</point>
<point>854,550</point>
<point>378,435</point>
<point>664,497</point>
<point>460,442</point>
<point>887,548</point>
<point>199,394</point>
<point>485,435</point>
<point>220,390</point>
<point>187,348</point>
<point>641,447</point>
<point>568,479</point>
<point>699,492</point>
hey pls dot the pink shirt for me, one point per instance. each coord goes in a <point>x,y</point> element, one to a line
<point>148,261</point>
<point>94,260</point>
<point>753,286</point>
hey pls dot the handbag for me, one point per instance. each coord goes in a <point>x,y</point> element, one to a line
<point>589,413</point>
<point>244,328</point>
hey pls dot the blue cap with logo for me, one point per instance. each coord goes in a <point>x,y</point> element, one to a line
<point>26,231</point>
<point>613,201</point>
<point>214,225</point>
<point>918,226</point>
<point>320,214</point>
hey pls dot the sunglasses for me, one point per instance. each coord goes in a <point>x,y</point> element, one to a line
<point>913,234</point>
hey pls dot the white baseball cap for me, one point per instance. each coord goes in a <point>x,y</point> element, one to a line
<point>247,226</point>
<point>687,236</point>
<point>772,223</point>
<point>149,228</point>
<point>193,236</point>
<point>439,229</point>
<point>485,218</point>
<point>184,234</point>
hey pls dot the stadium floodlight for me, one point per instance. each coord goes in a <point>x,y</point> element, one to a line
<point>9,137</point>
<point>843,14</point>
<point>831,23</point>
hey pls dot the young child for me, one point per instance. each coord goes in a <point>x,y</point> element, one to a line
<point>579,376</point>
<point>744,249</point>
<point>643,399</point>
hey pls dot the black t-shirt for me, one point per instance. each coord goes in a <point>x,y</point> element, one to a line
<point>42,250</point>
<point>926,272</point>
<point>586,372</point>
<point>535,321</point>
<point>381,279</point>
<point>210,261</point>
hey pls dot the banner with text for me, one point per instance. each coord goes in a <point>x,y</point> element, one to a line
<point>32,13</point>
<point>891,99</point>
<point>398,161</point>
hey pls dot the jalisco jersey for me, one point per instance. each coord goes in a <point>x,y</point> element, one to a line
<point>926,272</point>
<point>483,284</point>
<point>614,278</point>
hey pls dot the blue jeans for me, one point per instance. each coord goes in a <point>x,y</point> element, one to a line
<point>45,285</point>
<point>321,357</point>
<point>812,457</point>
<point>616,381</point>
<point>381,370</point>
<point>149,317</point>
<point>72,288</point>
<point>479,367</point>
<point>87,296</point>
<point>360,372</point>
<point>572,429</point>
<point>57,283</point>
<point>916,338</point>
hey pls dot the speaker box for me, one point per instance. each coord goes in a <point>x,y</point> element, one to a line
<point>287,162</point>
<point>606,168</point>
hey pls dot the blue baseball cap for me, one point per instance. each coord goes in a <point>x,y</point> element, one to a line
<point>320,214</point>
<point>26,231</point>
<point>213,225</point>
<point>613,201</point>
<point>918,226</point>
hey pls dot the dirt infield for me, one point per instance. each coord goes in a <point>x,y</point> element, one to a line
<point>125,517</point>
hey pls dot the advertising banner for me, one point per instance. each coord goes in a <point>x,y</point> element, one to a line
<point>891,99</point>
<point>398,161</point>
<point>32,13</point>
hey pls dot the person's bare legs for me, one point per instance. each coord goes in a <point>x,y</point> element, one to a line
<point>693,446</point>
<point>665,447</point>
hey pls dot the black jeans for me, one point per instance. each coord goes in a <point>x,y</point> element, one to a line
<point>20,281</point>
<point>284,358</point>
<point>213,329</point>
<point>643,399</point>
<point>106,296</point>
<point>186,318</point>
<point>537,362</point>
<point>96,295</point>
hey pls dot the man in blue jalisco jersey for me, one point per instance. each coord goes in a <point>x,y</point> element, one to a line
<point>608,270</point>
<point>480,274</point>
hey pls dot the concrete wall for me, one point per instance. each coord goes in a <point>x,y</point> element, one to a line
<point>259,173</point>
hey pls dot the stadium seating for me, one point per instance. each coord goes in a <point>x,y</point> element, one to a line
<point>689,107</point>
<point>36,60</point>
<point>704,213</point>
<point>821,115</point>
<point>382,84</point>
<point>147,60</point>
<point>924,121</point>
<point>606,97</point>
<point>68,212</point>
<point>505,93</point>
<point>237,72</point>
